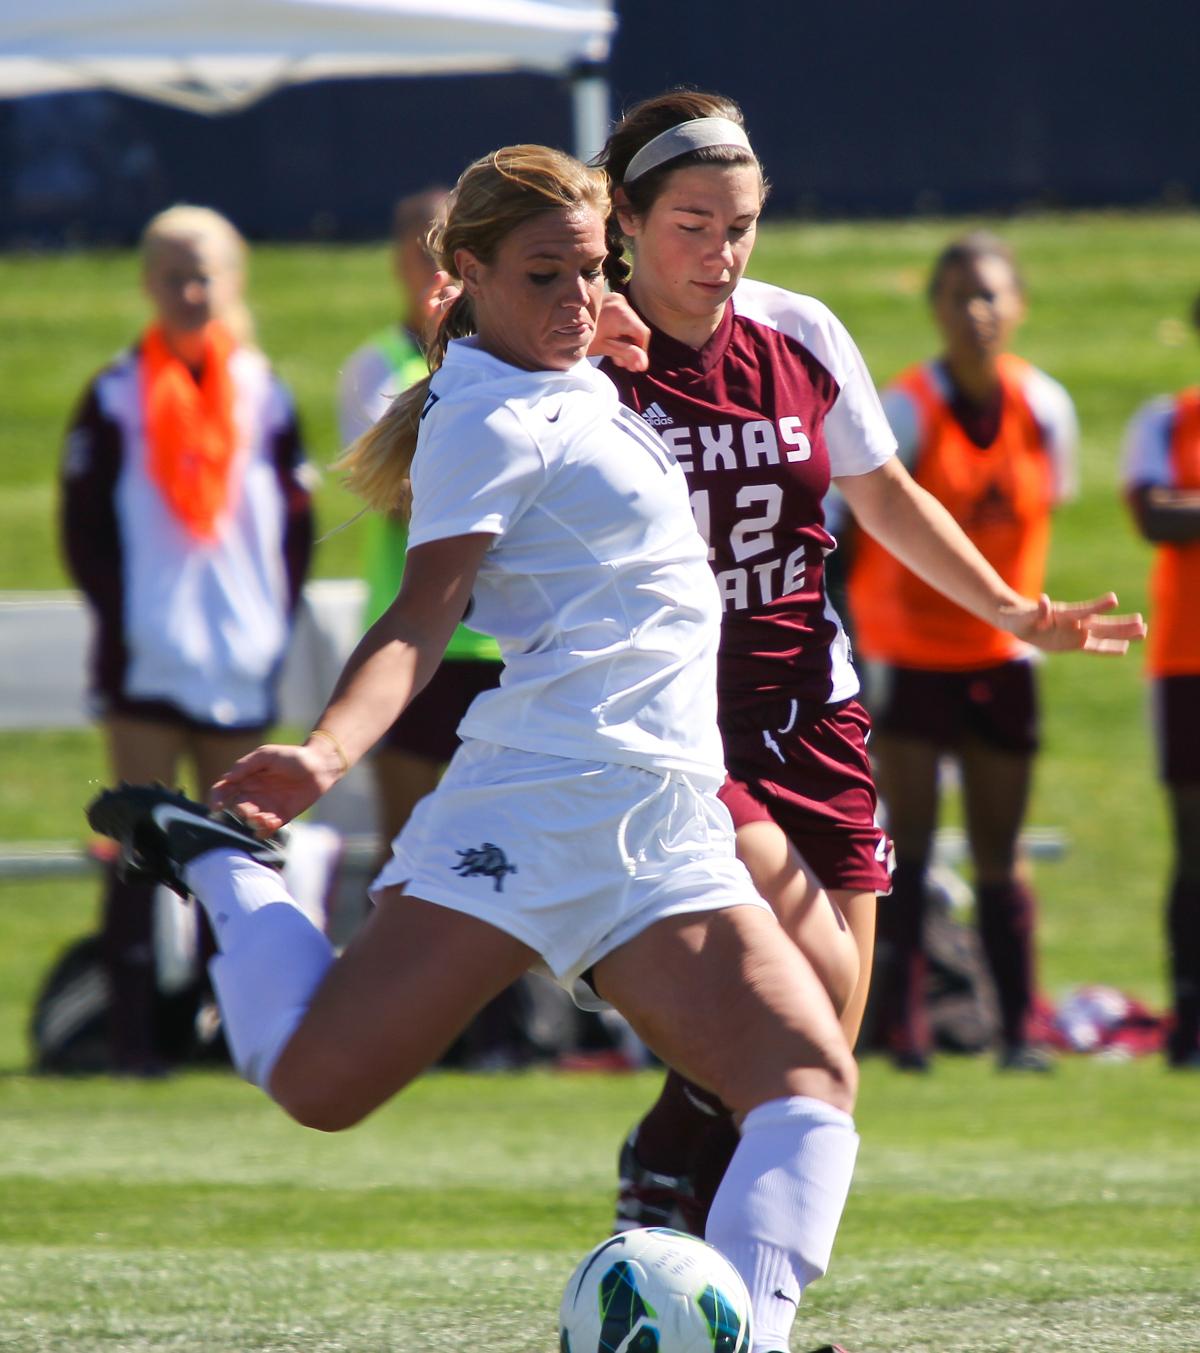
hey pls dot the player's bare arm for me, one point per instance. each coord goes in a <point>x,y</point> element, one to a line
<point>922,534</point>
<point>391,664</point>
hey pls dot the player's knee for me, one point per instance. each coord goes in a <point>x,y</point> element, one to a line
<point>325,1103</point>
<point>311,1105</point>
<point>828,1073</point>
<point>834,1081</point>
<point>842,1074</point>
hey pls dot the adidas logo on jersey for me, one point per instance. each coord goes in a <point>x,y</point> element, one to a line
<point>657,417</point>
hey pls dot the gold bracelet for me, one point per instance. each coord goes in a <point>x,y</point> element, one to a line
<point>334,743</point>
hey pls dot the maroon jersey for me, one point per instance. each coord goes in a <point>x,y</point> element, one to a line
<point>777,401</point>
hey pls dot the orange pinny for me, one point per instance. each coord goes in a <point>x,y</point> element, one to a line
<point>1001,495</point>
<point>1173,647</point>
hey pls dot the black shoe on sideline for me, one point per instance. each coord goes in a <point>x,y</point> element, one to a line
<point>1025,1057</point>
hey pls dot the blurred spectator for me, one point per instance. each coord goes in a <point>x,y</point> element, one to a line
<point>994,439</point>
<point>186,522</point>
<point>1162,481</point>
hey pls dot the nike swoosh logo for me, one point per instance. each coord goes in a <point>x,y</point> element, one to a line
<point>553,417</point>
<point>166,813</point>
<point>783,1296</point>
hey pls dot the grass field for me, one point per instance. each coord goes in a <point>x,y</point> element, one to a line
<point>989,1214</point>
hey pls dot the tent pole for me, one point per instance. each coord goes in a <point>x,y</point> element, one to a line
<point>590,107</point>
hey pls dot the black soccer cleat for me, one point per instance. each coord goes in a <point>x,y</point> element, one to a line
<point>648,1198</point>
<point>160,830</point>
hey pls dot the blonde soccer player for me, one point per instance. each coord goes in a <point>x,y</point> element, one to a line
<point>579,825</point>
<point>186,522</point>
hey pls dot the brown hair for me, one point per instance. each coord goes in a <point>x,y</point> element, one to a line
<point>968,249</point>
<point>639,126</point>
<point>493,197</point>
<point>417,213</point>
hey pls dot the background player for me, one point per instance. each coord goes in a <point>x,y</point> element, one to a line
<point>1162,479</point>
<point>762,395</point>
<point>187,524</point>
<point>994,440</point>
<point>579,820</point>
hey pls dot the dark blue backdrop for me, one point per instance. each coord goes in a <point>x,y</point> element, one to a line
<point>857,107</point>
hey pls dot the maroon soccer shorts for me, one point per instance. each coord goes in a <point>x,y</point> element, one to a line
<point>998,705</point>
<point>1177,728</point>
<point>429,726</point>
<point>167,714</point>
<point>813,778</point>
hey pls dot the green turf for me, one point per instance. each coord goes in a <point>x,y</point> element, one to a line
<point>989,1214</point>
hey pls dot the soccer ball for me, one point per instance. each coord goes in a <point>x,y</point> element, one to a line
<point>654,1290</point>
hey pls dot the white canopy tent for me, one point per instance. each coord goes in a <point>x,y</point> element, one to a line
<point>214,56</point>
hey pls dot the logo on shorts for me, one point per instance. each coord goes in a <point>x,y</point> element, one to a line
<point>486,860</point>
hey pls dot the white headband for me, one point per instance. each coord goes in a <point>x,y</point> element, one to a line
<point>686,136</point>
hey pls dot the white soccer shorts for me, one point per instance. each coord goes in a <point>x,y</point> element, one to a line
<point>573,858</point>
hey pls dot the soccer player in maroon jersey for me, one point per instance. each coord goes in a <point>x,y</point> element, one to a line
<point>763,397</point>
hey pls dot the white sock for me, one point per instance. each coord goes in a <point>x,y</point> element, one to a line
<point>777,1211</point>
<point>272,957</point>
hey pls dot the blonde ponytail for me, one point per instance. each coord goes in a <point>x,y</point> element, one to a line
<point>377,467</point>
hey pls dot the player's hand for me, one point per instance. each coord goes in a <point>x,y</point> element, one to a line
<point>442,294</point>
<point>620,334</point>
<point>1075,626</point>
<point>273,784</point>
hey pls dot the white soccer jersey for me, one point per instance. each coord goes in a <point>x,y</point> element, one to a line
<point>597,586</point>
<point>201,625</point>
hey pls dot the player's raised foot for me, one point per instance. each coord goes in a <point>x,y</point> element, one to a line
<point>1024,1057</point>
<point>160,830</point>
<point>647,1198</point>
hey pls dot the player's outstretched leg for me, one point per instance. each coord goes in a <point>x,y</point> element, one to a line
<point>272,958</point>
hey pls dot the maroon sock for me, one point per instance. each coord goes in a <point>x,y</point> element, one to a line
<point>904,1020</point>
<point>670,1135</point>
<point>1183,945</point>
<point>711,1160</point>
<point>1006,914</point>
<point>127,943</point>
